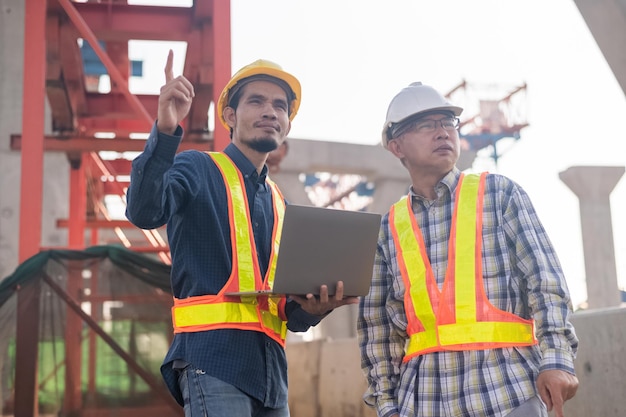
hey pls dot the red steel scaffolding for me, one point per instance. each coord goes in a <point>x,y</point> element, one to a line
<point>54,70</point>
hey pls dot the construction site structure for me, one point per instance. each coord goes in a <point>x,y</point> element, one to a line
<point>64,112</point>
<point>100,130</point>
<point>84,123</point>
<point>71,46</point>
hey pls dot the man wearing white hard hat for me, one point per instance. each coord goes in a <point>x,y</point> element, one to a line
<point>468,313</point>
<point>227,357</point>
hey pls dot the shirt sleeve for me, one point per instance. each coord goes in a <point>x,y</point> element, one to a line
<point>548,296</point>
<point>147,196</point>
<point>381,346</point>
<point>299,320</point>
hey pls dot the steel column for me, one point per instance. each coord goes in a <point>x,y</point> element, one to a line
<point>222,66</point>
<point>31,196</point>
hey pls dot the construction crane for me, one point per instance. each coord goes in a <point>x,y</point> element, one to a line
<point>495,113</point>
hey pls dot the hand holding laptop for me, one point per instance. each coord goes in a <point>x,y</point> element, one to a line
<point>323,304</point>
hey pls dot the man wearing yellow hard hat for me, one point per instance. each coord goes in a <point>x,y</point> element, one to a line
<point>222,212</point>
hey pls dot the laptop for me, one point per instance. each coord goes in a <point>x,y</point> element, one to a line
<point>322,246</point>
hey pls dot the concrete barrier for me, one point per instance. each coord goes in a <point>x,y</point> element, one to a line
<point>325,377</point>
<point>600,364</point>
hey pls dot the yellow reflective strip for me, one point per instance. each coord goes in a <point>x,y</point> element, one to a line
<point>486,332</point>
<point>465,260</point>
<point>243,242</point>
<point>422,340</point>
<point>415,265</point>
<point>206,314</point>
<point>273,322</point>
<point>279,205</point>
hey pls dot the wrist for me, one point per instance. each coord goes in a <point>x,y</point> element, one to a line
<point>166,129</point>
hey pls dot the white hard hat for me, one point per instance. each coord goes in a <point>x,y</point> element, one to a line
<point>412,100</point>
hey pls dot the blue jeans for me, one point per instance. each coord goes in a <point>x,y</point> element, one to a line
<point>206,396</point>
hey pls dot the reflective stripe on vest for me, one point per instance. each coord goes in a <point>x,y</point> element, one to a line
<point>265,314</point>
<point>460,316</point>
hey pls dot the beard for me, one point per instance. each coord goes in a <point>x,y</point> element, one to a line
<point>264,145</point>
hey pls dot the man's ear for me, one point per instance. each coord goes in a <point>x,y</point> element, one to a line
<point>229,116</point>
<point>395,148</point>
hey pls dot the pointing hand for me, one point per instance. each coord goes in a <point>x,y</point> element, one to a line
<point>174,100</point>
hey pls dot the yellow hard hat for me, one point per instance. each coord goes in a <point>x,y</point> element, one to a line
<point>262,69</point>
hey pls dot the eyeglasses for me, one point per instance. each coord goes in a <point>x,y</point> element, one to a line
<point>430,125</point>
<point>424,126</point>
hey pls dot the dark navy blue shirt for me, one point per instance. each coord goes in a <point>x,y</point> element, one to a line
<point>186,191</point>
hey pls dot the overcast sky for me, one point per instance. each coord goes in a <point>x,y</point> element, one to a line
<point>353,56</point>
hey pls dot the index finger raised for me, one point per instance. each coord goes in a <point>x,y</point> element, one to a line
<point>169,65</point>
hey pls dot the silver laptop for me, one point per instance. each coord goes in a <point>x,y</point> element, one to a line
<point>322,246</point>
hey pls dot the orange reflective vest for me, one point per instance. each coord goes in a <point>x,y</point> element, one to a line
<point>460,316</point>
<point>263,314</point>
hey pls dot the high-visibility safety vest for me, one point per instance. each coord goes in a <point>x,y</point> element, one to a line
<point>460,316</point>
<point>264,314</point>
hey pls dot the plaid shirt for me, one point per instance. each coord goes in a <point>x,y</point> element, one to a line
<point>522,275</point>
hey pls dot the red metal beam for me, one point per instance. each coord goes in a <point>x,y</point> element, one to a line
<point>72,396</point>
<point>78,116</point>
<point>199,70</point>
<point>56,89</point>
<point>89,125</point>
<point>119,166</point>
<point>31,196</point>
<point>110,188</point>
<point>92,339</point>
<point>200,63</point>
<point>118,52</point>
<point>81,144</point>
<point>115,75</point>
<point>33,105</point>
<point>73,69</point>
<point>115,105</point>
<point>122,22</point>
<point>78,205</point>
<point>221,63</point>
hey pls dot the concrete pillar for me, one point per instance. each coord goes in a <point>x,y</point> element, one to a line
<point>593,186</point>
<point>387,191</point>
<point>291,187</point>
